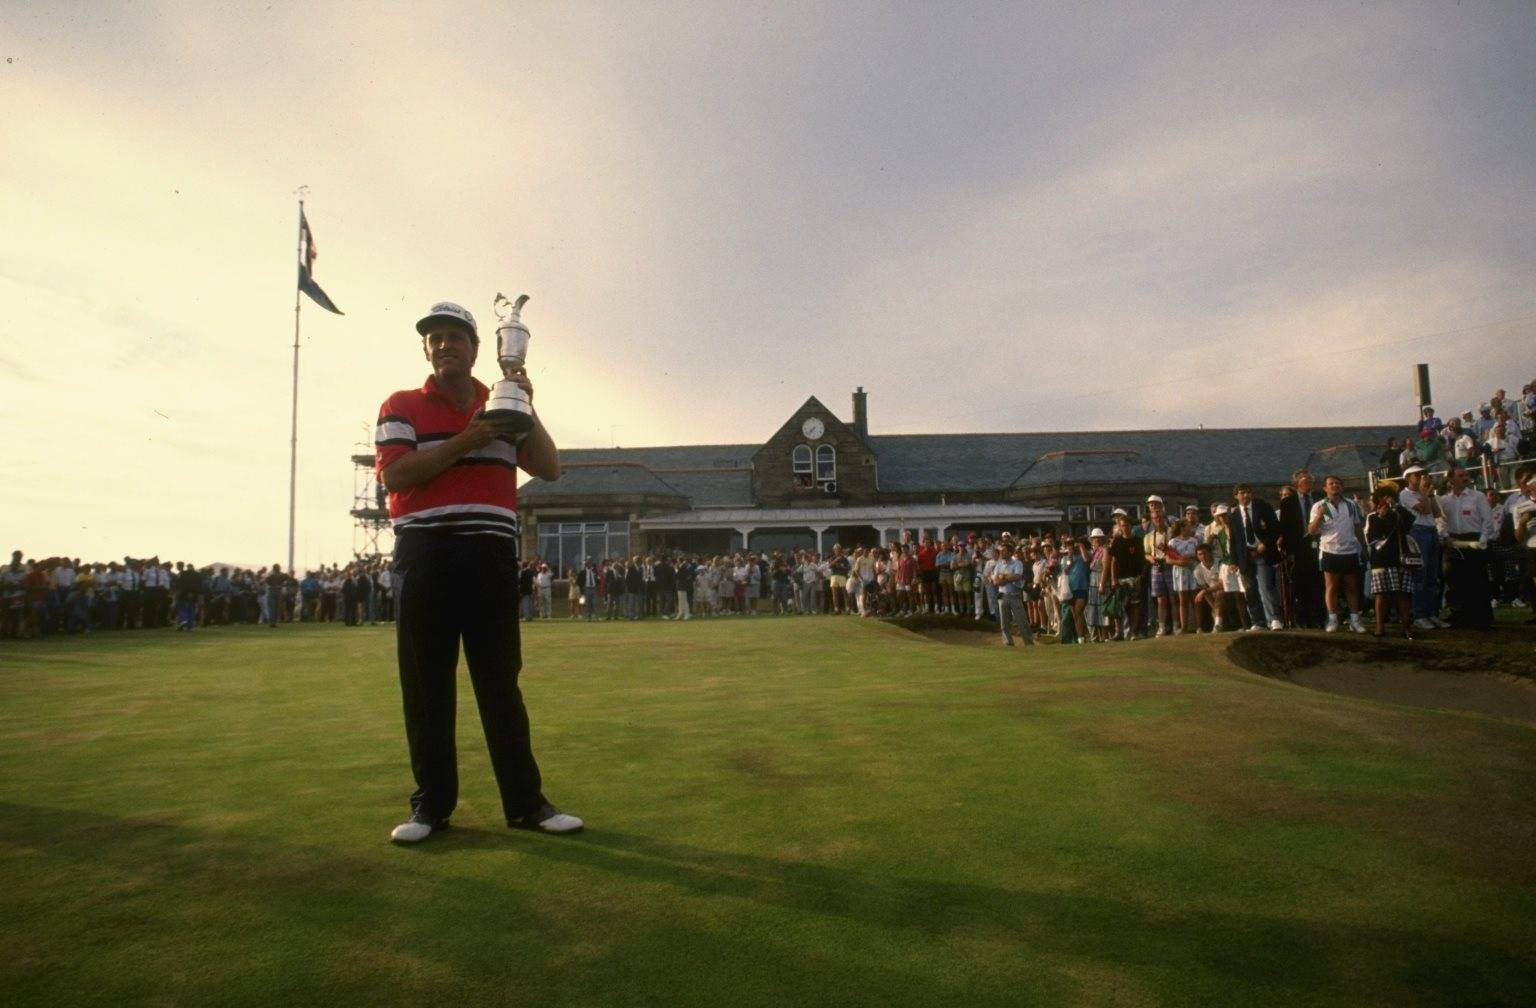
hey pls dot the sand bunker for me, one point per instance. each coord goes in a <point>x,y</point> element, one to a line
<point>1482,673</point>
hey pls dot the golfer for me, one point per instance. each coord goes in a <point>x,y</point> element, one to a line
<point>452,482</point>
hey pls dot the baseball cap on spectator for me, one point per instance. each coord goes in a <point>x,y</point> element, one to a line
<point>1220,509</point>
<point>1119,512</point>
<point>1155,498</point>
<point>447,311</point>
<point>1413,469</point>
<point>1191,507</point>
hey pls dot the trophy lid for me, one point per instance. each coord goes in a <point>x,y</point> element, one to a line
<point>509,312</point>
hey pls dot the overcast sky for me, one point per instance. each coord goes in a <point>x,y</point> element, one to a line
<point>993,217</point>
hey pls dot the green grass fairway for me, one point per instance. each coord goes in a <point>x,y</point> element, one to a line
<point>781,812</point>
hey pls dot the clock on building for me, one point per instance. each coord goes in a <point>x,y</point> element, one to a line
<point>813,428</point>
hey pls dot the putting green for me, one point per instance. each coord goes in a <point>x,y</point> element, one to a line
<point>781,812</point>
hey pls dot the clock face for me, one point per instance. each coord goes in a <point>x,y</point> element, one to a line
<point>813,428</point>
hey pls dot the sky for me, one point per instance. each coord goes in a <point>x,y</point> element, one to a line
<point>993,217</point>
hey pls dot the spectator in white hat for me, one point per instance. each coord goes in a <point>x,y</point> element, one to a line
<point>1418,497</point>
<point>1192,518</point>
<point>1219,537</point>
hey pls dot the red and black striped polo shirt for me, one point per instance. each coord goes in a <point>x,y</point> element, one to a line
<point>477,494</point>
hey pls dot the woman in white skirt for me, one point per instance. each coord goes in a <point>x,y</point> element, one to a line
<point>1181,560</point>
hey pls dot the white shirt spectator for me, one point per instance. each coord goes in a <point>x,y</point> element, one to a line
<point>1410,500</point>
<point>1008,568</point>
<point>1468,514</point>
<point>1337,534</point>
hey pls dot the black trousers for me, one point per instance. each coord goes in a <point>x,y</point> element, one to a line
<point>450,588</point>
<point>1467,589</point>
<point>1307,590</point>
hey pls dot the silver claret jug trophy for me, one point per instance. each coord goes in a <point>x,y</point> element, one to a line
<point>508,406</point>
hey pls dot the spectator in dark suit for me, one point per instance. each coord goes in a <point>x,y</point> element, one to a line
<point>1300,550</point>
<point>634,590</point>
<point>1255,530</point>
<point>588,581</point>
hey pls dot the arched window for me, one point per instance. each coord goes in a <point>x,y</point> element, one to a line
<point>826,464</point>
<point>800,464</point>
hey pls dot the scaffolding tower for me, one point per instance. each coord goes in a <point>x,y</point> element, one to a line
<point>370,515</point>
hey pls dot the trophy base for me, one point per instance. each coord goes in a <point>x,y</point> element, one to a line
<point>514,421</point>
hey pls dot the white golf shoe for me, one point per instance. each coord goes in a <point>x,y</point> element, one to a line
<point>548,820</point>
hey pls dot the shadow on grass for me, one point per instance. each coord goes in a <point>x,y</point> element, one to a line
<point>1177,950</point>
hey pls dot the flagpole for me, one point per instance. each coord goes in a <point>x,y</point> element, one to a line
<point>293,435</point>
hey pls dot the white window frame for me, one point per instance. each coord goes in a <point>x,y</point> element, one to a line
<point>826,455</point>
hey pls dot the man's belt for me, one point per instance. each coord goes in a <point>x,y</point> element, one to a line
<point>1465,538</point>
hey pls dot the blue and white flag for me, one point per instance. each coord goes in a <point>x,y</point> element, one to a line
<point>308,253</point>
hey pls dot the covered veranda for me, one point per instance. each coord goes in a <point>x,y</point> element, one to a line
<point>879,524</point>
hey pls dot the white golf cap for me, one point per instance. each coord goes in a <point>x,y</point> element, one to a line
<point>1220,509</point>
<point>1411,470</point>
<point>447,311</point>
<point>1119,512</point>
<point>1192,507</point>
<point>1097,533</point>
<point>1154,499</point>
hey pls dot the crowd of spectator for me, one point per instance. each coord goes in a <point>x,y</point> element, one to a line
<point>61,595</point>
<point>1306,560</point>
<point>1499,432</point>
<point>1429,542</point>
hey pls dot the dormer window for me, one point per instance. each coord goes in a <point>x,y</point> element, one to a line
<point>800,465</point>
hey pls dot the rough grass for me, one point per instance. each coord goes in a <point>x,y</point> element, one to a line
<point>796,811</point>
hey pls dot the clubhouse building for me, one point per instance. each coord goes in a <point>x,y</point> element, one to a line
<point>819,480</point>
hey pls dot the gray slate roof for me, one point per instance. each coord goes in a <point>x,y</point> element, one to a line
<point>707,475</point>
<point>719,475</point>
<point>910,463</point>
<point>589,481</point>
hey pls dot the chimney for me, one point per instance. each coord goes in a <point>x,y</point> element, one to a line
<point>861,412</point>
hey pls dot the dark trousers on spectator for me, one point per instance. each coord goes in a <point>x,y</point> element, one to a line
<point>1426,596</point>
<point>1467,587</point>
<point>1307,590</point>
<point>157,603</point>
<point>450,588</point>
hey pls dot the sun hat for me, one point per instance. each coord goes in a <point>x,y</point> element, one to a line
<point>1097,533</point>
<point>1120,512</point>
<point>1154,497</point>
<point>1220,509</point>
<point>448,311</point>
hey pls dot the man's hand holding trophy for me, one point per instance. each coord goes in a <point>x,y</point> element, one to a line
<point>510,405</point>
